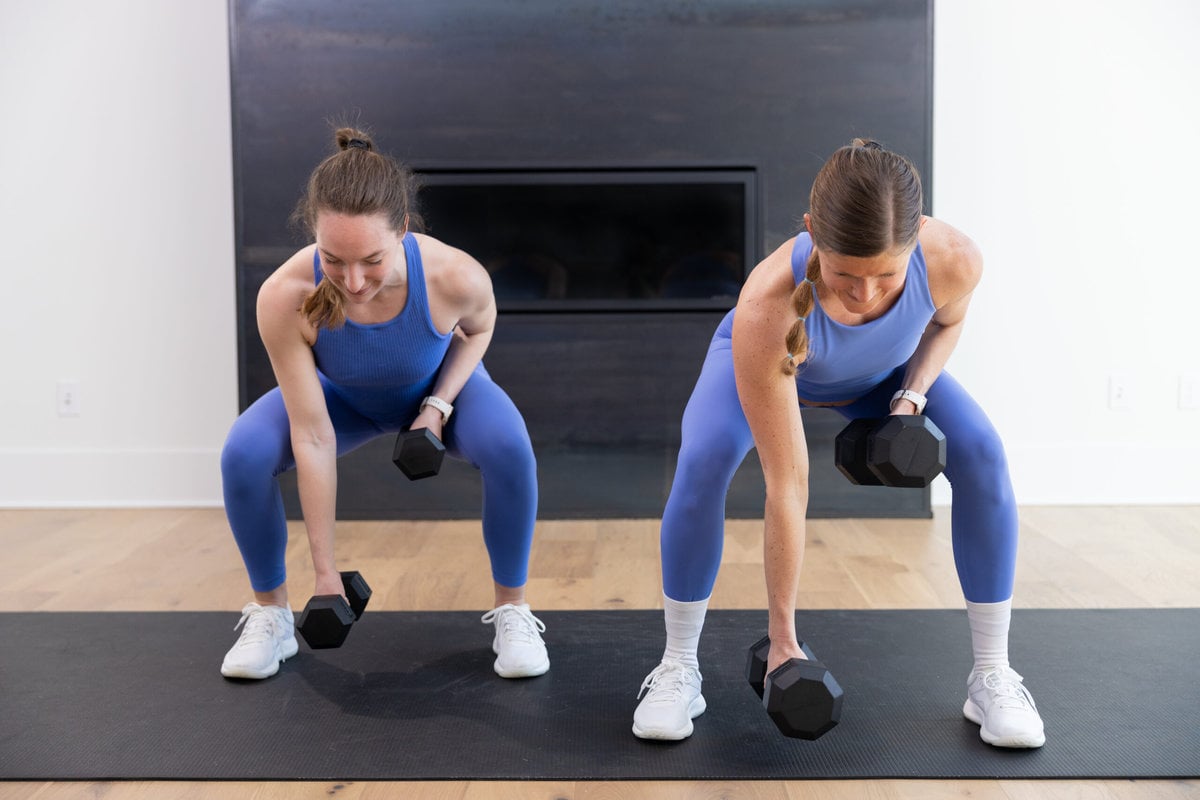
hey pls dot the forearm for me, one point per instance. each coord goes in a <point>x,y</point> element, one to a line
<point>316,481</point>
<point>463,356</point>
<point>783,556</point>
<point>930,357</point>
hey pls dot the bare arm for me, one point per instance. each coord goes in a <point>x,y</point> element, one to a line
<point>461,290</point>
<point>954,265</point>
<point>288,339</point>
<point>772,409</point>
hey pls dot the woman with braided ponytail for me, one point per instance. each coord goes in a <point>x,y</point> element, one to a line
<point>859,312</point>
<point>373,329</point>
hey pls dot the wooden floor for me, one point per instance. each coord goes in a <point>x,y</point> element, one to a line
<point>185,559</point>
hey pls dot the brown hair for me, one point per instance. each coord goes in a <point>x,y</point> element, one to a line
<point>356,179</point>
<point>865,201</point>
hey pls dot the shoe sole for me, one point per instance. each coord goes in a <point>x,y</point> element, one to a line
<point>532,672</point>
<point>697,708</point>
<point>975,714</point>
<point>290,648</point>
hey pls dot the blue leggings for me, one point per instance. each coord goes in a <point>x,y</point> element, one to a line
<point>716,438</point>
<point>485,430</point>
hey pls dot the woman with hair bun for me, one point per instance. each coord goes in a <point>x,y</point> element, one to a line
<point>859,312</point>
<point>373,329</point>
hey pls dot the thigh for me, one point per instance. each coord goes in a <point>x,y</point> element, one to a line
<point>714,428</point>
<point>486,423</point>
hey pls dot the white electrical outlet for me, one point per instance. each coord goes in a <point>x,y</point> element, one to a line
<point>1118,393</point>
<point>68,398</point>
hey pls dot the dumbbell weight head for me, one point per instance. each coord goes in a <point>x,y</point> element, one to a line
<point>418,453</point>
<point>803,699</point>
<point>906,450</point>
<point>756,662</point>
<point>327,619</point>
<point>850,452</point>
<point>357,591</point>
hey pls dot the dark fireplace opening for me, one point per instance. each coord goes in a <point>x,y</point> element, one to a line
<point>601,240</point>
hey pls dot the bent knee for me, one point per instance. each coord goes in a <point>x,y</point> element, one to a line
<point>248,457</point>
<point>507,449</point>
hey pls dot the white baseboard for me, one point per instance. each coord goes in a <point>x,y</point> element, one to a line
<point>109,478</point>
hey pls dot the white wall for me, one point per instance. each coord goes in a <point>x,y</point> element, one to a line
<point>1065,135</point>
<point>116,204</point>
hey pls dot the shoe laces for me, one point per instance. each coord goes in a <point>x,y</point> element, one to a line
<point>259,622</point>
<point>515,624</point>
<point>1007,689</point>
<point>666,681</point>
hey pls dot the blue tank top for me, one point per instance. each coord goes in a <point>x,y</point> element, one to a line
<point>846,361</point>
<point>383,370</point>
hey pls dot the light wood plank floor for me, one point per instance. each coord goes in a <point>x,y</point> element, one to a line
<point>185,559</point>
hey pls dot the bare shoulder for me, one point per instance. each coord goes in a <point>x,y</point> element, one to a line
<point>764,309</point>
<point>452,275</point>
<point>283,293</point>
<point>953,260</point>
<point>771,280</point>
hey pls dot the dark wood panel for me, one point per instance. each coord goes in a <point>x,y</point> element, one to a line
<point>774,86</point>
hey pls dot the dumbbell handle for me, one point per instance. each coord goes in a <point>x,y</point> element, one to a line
<point>756,667</point>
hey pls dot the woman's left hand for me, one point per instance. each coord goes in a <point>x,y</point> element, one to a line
<point>429,418</point>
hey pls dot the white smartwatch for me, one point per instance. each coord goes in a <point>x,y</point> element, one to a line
<point>440,404</point>
<point>916,398</point>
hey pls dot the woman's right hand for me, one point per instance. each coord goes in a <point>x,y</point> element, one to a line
<point>329,583</point>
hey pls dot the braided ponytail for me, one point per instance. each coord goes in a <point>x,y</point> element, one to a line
<point>803,299</point>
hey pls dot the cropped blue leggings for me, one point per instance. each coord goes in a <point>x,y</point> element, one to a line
<point>716,438</point>
<point>485,430</point>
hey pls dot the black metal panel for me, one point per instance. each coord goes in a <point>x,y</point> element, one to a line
<point>649,84</point>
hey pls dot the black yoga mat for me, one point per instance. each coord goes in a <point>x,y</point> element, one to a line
<point>412,696</point>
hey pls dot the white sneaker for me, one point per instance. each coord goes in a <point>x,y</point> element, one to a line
<point>1003,709</point>
<point>520,651</point>
<point>268,638</point>
<point>672,701</point>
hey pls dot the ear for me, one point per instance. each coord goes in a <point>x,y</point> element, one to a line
<point>808,223</point>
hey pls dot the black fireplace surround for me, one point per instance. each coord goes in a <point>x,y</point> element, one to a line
<point>618,166</point>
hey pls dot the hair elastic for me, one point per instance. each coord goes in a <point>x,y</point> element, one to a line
<point>801,319</point>
<point>359,143</point>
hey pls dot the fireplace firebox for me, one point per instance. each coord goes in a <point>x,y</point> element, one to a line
<point>601,239</point>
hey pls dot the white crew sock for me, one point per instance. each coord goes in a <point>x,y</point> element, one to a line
<point>989,632</point>
<point>684,621</point>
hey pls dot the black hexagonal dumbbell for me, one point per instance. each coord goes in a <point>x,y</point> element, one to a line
<point>801,696</point>
<point>418,453</point>
<point>327,618</point>
<point>900,450</point>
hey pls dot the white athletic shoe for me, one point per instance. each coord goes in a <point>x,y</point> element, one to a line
<point>672,701</point>
<point>268,638</point>
<point>520,651</point>
<point>1003,709</point>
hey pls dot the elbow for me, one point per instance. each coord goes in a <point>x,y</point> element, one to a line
<point>313,438</point>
